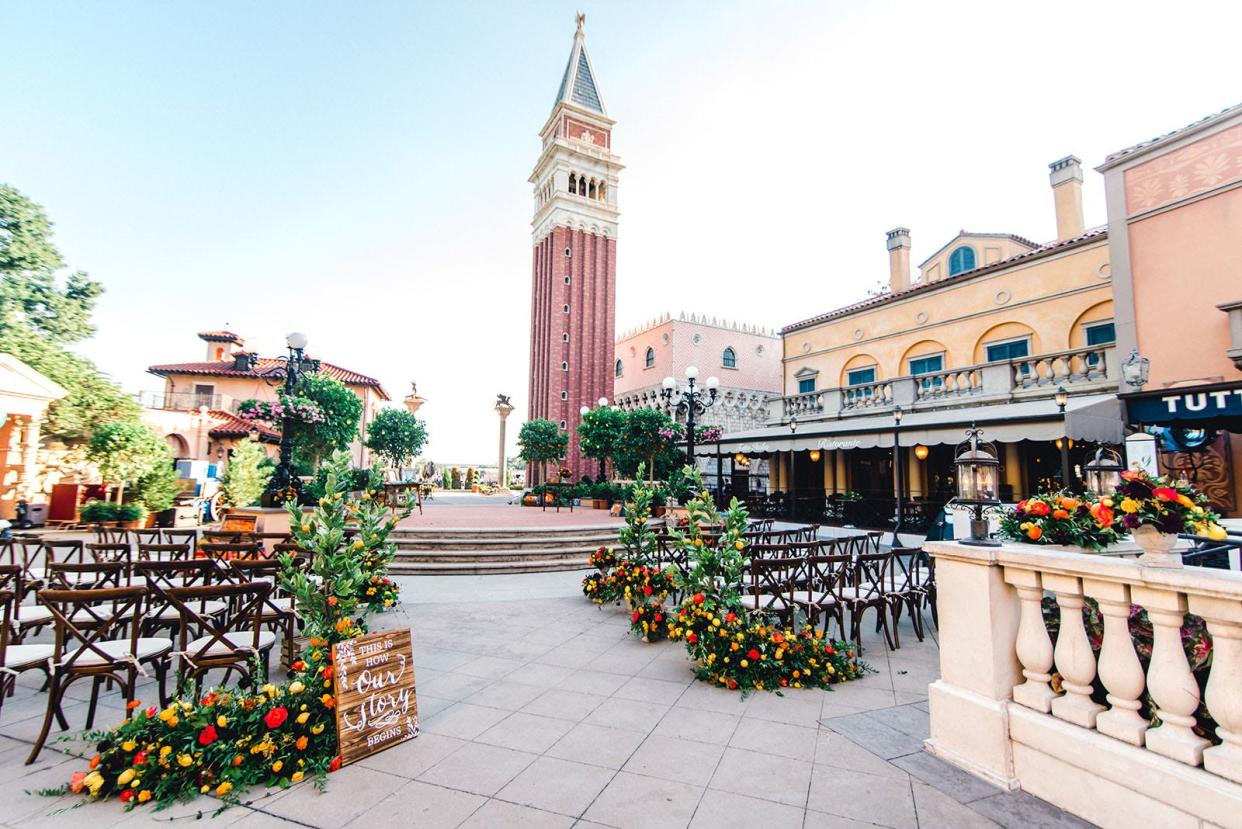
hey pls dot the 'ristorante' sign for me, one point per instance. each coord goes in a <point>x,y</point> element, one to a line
<point>375,703</point>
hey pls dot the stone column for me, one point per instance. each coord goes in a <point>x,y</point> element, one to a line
<point>503,408</point>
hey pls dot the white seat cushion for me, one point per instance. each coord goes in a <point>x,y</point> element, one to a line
<point>237,640</point>
<point>32,614</point>
<point>765,601</point>
<point>282,603</point>
<point>801,597</point>
<point>211,607</point>
<point>19,657</point>
<point>118,648</point>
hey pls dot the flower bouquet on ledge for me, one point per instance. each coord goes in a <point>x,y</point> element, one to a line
<point>1156,509</point>
<point>1061,519</point>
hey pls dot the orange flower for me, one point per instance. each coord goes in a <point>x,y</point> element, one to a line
<point>1034,533</point>
<point>1060,514</point>
<point>328,701</point>
<point>1165,493</point>
<point>302,743</point>
<point>132,704</point>
<point>95,760</point>
<point>1070,503</point>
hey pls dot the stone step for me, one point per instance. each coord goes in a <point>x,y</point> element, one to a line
<point>469,533</point>
<point>487,567</point>
<point>514,543</point>
<point>469,555</point>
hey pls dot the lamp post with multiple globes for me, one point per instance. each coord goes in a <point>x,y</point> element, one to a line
<point>284,485</point>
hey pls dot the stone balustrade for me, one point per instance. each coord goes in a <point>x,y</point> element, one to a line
<point>1015,708</point>
<point>1078,370</point>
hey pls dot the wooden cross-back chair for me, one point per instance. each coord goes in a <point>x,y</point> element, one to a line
<point>13,579</point>
<point>15,657</point>
<point>95,574</point>
<point>105,553</point>
<point>770,581</point>
<point>871,588</point>
<point>278,612</point>
<point>821,595</point>
<point>151,535</point>
<point>207,644</point>
<point>63,551</point>
<point>87,620</point>
<point>189,537</point>
<point>223,551</point>
<point>165,552</point>
<point>110,535</point>
<point>160,576</point>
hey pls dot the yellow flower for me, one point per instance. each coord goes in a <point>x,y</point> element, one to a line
<point>224,788</point>
<point>317,729</point>
<point>303,717</point>
<point>296,687</point>
<point>270,690</point>
<point>185,760</point>
<point>172,722</point>
<point>128,745</point>
<point>204,790</point>
<point>144,795</point>
<point>296,776</point>
<point>126,776</point>
<point>745,664</point>
<point>222,721</point>
<point>165,751</point>
<point>1129,505</point>
<point>277,766</point>
<point>94,782</point>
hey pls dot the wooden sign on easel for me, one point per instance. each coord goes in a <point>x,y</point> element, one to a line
<point>375,703</point>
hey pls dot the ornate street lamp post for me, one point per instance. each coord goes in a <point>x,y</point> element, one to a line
<point>690,400</point>
<point>977,471</point>
<point>793,459</point>
<point>1062,399</point>
<point>899,473</point>
<point>284,485</point>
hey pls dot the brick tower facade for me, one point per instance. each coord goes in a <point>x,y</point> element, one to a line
<point>574,257</point>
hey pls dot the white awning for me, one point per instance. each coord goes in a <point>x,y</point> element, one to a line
<point>1094,418</point>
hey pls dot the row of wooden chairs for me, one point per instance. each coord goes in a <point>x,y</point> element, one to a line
<point>111,631</point>
<point>827,578</point>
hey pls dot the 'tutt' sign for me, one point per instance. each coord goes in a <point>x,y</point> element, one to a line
<point>375,703</point>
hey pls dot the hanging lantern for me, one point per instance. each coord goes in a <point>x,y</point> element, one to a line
<point>1103,472</point>
<point>920,452</point>
<point>815,456</point>
<point>978,471</point>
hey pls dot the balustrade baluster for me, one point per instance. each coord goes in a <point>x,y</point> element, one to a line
<point>1034,646</point>
<point>1169,680</point>
<point>1224,687</point>
<point>1119,666</point>
<point>1073,655</point>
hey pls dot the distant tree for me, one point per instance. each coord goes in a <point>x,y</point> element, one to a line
<point>456,478</point>
<point>600,434</point>
<point>342,409</point>
<point>246,476</point>
<point>125,451</point>
<point>397,437</point>
<point>650,438</point>
<point>40,316</point>
<point>158,488</point>
<point>541,441</point>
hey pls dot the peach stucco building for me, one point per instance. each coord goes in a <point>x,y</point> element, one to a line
<point>196,410</point>
<point>1175,219</point>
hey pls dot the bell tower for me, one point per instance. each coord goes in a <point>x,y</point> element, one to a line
<point>574,256</point>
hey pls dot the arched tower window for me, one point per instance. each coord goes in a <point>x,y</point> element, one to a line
<point>582,186</point>
<point>618,368</point>
<point>729,358</point>
<point>573,182</point>
<point>962,260</point>
<point>649,357</point>
<point>591,190</point>
<point>603,191</point>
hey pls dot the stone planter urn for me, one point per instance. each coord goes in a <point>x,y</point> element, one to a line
<point>1157,547</point>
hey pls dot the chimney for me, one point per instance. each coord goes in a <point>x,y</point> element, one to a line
<point>899,259</point>
<point>1066,178</point>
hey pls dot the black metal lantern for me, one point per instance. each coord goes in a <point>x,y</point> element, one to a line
<point>1135,369</point>
<point>1104,471</point>
<point>978,473</point>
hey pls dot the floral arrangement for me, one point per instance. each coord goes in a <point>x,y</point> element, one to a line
<point>673,433</point>
<point>649,622</point>
<point>1169,506</point>
<point>1060,518</point>
<point>564,473</point>
<point>708,434</point>
<point>227,739</point>
<point>738,648</point>
<point>601,589</point>
<point>301,409</point>
<point>603,559</point>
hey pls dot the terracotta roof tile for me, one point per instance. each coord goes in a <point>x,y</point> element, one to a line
<point>265,367</point>
<point>229,425</point>
<point>885,298</point>
<point>221,337</point>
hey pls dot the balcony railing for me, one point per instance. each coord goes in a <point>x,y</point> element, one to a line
<point>1092,368</point>
<point>187,401</point>
<point>1111,688</point>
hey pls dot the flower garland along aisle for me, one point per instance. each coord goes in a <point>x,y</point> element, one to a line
<point>634,578</point>
<point>734,647</point>
<point>229,739</point>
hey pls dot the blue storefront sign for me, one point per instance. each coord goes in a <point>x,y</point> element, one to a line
<point>1176,405</point>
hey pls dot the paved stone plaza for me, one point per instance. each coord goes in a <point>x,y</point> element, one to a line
<point>540,710</point>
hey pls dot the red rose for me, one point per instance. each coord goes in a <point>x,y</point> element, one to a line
<point>152,711</point>
<point>732,684</point>
<point>692,638</point>
<point>1165,493</point>
<point>335,764</point>
<point>299,665</point>
<point>140,758</point>
<point>784,682</point>
<point>698,598</point>
<point>752,654</point>
<point>1037,508</point>
<point>647,589</point>
<point>659,617</point>
<point>730,616</point>
<point>208,735</point>
<point>127,795</point>
<point>273,719</point>
<point>637,615</point>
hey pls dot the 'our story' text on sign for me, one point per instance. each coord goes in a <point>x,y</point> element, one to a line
<point>375,703</point>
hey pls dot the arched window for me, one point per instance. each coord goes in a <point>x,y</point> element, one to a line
<point>565,337</point>
<point>618,368</point>
<point>592,189</point>
<point>649,358</point>
<point>582,187</point>
<point>564,395</point>
<point>603,191</point>
<point>729,358</point>
<point>564,366</point>
<point>573,182</point>
<point>961,260</point>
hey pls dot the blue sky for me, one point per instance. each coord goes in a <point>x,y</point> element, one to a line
<point>358,170</point>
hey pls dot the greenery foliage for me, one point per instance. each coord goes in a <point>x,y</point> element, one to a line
<point>648,437</point>
<point>397,437</point>
<point>246,476</point>
<point>125,451</point>
<point>600,433</point>
<point>341,410</point>
<point>157,489</point>
<point>41,315</point>
<point>541,441</point>
<point>99,512</point>
<point>357,479</point>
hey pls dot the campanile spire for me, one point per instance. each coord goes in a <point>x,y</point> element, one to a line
<point>574,238</point>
